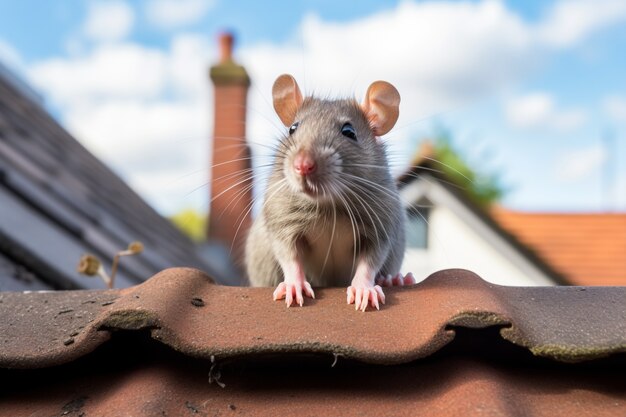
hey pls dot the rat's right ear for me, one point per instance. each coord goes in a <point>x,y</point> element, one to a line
<point>287,98</point>
<point>381,106</point>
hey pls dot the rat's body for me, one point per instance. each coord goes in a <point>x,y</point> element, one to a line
<point>332,215</point>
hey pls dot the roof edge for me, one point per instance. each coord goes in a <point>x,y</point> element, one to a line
<point>184,310</point>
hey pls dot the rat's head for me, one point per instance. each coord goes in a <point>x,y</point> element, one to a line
<point>331,143</point>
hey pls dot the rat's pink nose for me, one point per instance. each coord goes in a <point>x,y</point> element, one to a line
<point>304,164</point>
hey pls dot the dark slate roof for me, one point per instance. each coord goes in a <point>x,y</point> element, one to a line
<point>58,201</point>
<point>180,345</point>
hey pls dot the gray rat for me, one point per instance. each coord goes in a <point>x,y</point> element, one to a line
<point>332,215</point>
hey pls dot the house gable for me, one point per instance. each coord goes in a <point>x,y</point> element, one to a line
<point>460,235</point>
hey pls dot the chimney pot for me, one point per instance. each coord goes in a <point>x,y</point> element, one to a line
<point>226,47</point>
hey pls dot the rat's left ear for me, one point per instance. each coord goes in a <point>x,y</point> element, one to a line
<point>380,106</point>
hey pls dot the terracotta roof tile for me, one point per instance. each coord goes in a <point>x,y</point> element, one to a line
<point>458,345</point>
<point>149,380</point>
<point>589,249</point>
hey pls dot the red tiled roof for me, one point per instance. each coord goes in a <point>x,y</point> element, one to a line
<point>588,249</point>
<point>458,345</point>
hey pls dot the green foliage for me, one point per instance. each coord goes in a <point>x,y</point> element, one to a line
<point>481,187</point>
<point>191,223</point>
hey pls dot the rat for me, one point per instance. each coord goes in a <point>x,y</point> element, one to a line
<point>332,215</point>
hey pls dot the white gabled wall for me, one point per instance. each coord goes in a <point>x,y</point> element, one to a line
<point>457,238</point>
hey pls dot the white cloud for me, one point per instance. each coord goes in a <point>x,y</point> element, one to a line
<point>125,71</point>
<point>615,106</point>
<point>568,120</point>
<point>111,70</point>
<point>570,21</point>
<point>109,20</point>
<point>169,14</point>
<point>531,110</point>
<point>189,59</point>
<point>539,111</point>
<point>144,136</point>
<point>575,165</point>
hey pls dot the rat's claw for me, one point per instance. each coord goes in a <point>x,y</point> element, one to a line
<point>308,291</point>
<point>374,299</point>
<point>365,299</point>
<point>289,295</point>
<point>358,298</point>
<point>409,279</point>
<point>362,296</point>
<point>350,295</point>
<point>298,290</point>
<point>293,292</point>
<point>279,292</point>
<point>380,293</point>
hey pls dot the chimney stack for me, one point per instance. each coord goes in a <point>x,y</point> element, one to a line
<point>231,192</point>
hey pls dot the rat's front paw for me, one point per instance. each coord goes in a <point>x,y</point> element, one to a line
<point>291,290</point>
<point>364,293</point>
<point>398,280</point>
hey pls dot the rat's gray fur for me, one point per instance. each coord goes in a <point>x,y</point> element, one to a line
<point>355,213</point>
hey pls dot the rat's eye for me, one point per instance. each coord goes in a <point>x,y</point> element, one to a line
<point>348,131</point>
<point>293,127</point>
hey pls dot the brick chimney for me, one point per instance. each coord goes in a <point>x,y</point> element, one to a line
<point>231,193</point>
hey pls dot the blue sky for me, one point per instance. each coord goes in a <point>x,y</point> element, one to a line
<point>533,90</point>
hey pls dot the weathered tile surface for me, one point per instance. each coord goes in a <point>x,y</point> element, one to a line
<point>452,345</point>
